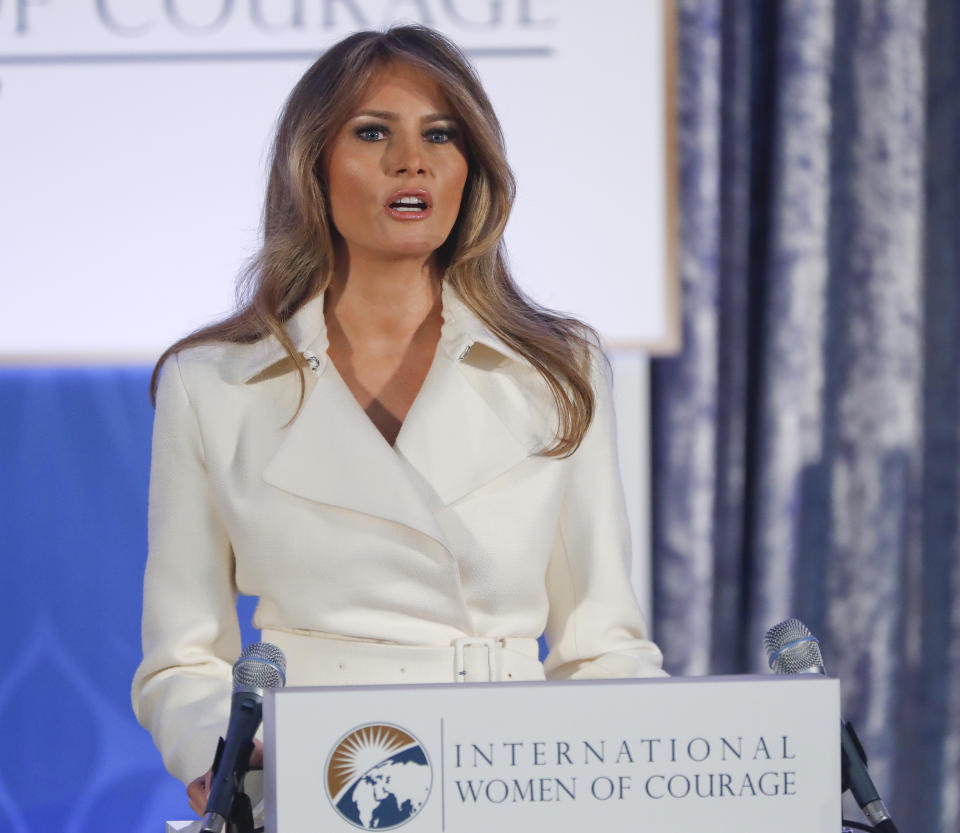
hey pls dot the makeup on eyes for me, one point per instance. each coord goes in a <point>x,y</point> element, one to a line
<point>447,132</point>
<point>381,119</point>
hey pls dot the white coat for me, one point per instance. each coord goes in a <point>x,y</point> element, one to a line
<point>459,530</point>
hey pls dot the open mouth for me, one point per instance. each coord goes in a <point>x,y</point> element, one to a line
<point>409,204</point>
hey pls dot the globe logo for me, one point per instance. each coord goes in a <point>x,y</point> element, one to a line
<point>378,776</point>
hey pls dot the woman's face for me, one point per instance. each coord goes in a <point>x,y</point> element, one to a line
<point>397,169</point>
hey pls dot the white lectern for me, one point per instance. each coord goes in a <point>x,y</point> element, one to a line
<point>743,754</point>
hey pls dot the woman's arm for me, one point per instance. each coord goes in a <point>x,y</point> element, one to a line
<point>595,628</point>
<point>181,691</point>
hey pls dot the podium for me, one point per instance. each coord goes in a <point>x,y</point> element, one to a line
<point>672,755</point>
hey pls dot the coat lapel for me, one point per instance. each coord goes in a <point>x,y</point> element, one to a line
<point>333,454</point>
<point>458,439</point>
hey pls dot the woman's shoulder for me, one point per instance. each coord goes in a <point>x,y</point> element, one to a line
<point>216,373</point>
<point>213,360</point>
<point>236,362</point>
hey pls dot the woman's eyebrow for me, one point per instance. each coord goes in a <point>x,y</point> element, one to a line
<point>387,115</point>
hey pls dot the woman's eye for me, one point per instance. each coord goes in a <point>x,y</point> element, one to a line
<point>439,135</point>
<point>371,133</point>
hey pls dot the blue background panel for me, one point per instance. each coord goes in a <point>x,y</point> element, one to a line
<point>74,471</point>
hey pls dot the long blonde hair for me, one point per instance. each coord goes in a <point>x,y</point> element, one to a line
<point>295,262</point>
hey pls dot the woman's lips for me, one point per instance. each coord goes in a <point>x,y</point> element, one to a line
<point>409,204</point>
<point>407,213</point>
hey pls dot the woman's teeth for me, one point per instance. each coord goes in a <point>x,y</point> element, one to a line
<point>409,204</point>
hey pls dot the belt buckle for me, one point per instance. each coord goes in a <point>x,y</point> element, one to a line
<point>458,646</point>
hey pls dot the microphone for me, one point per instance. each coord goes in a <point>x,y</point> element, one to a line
<point>793,649</point>
<point>260,666</point>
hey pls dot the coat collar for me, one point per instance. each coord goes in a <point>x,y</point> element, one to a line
<point>461,329</point>
<point>477,415</point>
<point>306,328</point>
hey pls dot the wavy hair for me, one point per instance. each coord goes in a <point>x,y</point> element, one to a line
<point>296,259</point>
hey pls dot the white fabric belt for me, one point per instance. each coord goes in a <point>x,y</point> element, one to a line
<point>314,658</point>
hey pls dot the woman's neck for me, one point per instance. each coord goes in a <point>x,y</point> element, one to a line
<point>383,326</point>
<point>380,305</point>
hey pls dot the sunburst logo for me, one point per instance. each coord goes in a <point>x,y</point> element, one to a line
<point>378,776</point>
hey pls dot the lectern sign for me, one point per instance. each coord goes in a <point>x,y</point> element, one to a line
<point>755,753</point>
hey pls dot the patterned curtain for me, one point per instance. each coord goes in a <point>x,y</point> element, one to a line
<point>807,439</point>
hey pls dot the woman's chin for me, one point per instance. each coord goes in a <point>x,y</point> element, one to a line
<point>419,250</point>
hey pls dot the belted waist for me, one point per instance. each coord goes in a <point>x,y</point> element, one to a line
<point>315,658</point>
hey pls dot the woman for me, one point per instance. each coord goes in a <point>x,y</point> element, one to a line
<point>409,463</point>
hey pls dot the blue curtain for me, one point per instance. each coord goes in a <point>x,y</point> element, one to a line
<point>806,440</point>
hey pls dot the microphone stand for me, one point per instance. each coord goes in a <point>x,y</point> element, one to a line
<point>856,779</point>
<point>241,814</point>
<point>240,817</point>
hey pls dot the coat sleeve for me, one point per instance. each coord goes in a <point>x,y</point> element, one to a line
<point>594,627</point>
<point>191,636</point>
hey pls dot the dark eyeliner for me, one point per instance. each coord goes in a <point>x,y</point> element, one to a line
<point>449,133</point>
<point>366,128</point>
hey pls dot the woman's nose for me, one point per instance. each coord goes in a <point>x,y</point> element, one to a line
<point>405,155</point>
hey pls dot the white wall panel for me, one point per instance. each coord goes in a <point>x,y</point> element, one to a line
<point>133,140</point>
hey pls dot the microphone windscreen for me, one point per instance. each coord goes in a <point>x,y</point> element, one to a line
<point>793,649</point>
<point>261,665</point>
